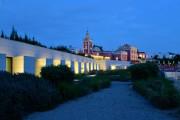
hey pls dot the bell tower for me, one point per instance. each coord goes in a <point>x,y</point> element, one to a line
<point>87,44</point>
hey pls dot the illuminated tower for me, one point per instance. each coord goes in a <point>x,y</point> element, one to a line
<point>87,44</point>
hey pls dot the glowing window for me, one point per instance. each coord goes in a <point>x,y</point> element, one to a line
<point>68,63</point>
<point>91,66</point>
<point>39,64</point>
<point>56,62</point>
<point>76,67</point>
<point>87,67</point>
<point>113,67</point>
<point>18,64</point>
<point>82,68</point>
<point>9,64</point>
<point>94,66</point>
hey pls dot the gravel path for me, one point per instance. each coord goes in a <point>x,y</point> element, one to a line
<point>119,102</point>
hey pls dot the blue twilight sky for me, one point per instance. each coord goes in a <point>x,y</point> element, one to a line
<point>151,25</point>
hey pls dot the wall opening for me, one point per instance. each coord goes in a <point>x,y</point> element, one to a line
<point>95,66</point>
<point>39,64</point>
<point>68,63</point>
<point>56,62</point>
<point>113,67</point>
<point>82,68</point>
<point>87,67</point>
<point>18,64</point>
<point>92,67</point>
<point>98,67</point>
<point>9,64</point>
<point>76,67</point>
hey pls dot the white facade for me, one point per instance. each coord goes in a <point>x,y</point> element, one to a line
<point>173,75</point>
<point>18,57</point>
<point>112,64</point>
<point>30,59</point>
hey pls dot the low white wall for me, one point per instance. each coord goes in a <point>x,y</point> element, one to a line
<point>13,48</point>
<point>29,58</point>
<point>107,64</point>
<point>173,75</point>
<point>33,58</point>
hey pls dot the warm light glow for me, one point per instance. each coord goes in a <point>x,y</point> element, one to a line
<point>18,64</point>
<point>76,67</point>
<point>9,64</point>
<point>107,58</point>
<point>82,68</point>
<point>56,62</point>
<point>113,67</point>
<point>98,57</point>
<point>94,66</point>
<point>68,63</point>
<point>102,65</point>
<point>39,64</point>
<point>97,66</point>
<point>91,66</point>
<point>87,67</point>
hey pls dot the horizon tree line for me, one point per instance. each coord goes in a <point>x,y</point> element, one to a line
<point>16,37</point>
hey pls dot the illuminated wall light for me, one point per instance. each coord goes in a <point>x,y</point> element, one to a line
<point>18,65</point>
<point>98,57</point>
<point>95,66</point>
<point>56,62</point>
<point>113,67</point>
<point>9,65</point>
<point>87,67</point>
<point>39,64</point>
<point>68,63</point>
<point>82,67</point>
<point>92,67</point>
<point>76,67</point>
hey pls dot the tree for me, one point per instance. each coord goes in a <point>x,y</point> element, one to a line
<point>176,58</point>
<point>156,57</point>
<point>20,38</point>
<point>61,48</point>
<point>2,34</point>
<point>25,39</point>
<point>14,34</point>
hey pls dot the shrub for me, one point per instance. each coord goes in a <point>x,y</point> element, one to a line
<point>97,83</point>
<point>94,84</point>
<point>47,96</point>
<point>144,71</point>
<point>105,82</point>
<point>116,75</point>
<point>5,75</point>
<point>25,93</point>
<point>57,74</point>
<point>159,91</point>
<point>93,72</point>
<point>86,85</point>
<point>80,76</point>
<point>71,91</point>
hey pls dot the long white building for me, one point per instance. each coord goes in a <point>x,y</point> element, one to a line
<point>18,57</point>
